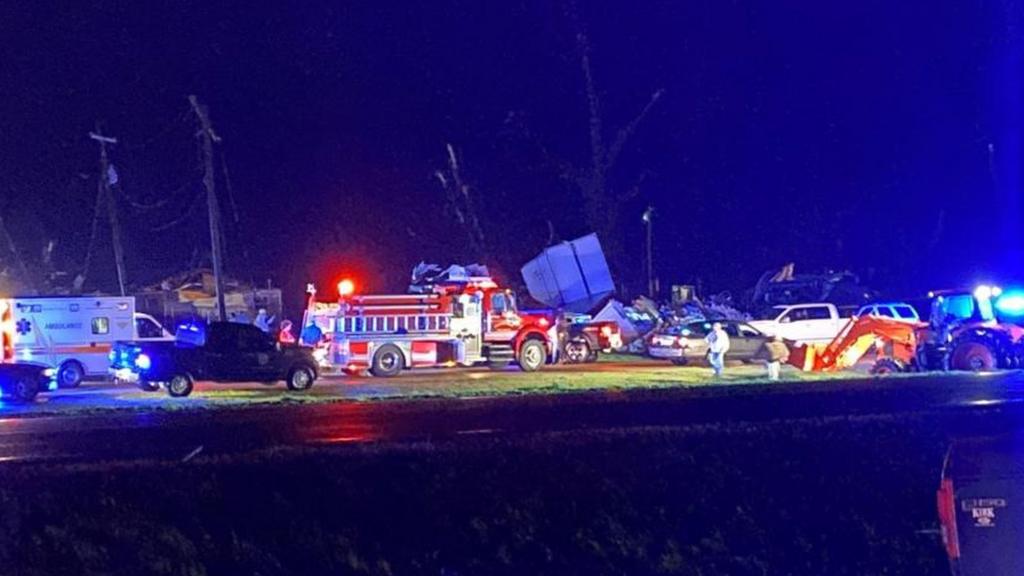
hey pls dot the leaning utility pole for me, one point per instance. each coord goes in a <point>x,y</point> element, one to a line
<point>208,137</point>
<point>108,197</point>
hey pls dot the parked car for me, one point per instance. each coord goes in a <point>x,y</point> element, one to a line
<point>802,323</point>
<point>220,352</point>
<point>895,310</point>
<point>684,343</point>
<point>22,381</point>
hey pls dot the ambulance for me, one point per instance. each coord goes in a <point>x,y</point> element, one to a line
<point>72,334</point>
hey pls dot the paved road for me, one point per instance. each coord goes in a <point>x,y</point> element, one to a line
<point>173,435</point>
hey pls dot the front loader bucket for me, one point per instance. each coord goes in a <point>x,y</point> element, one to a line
<point>802,356</point>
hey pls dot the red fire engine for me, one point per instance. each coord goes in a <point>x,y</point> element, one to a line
<point>453,319</point>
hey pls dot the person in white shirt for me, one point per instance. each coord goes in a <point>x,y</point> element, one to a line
<point>718,345</point>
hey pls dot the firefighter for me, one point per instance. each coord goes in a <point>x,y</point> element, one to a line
<point>718,345</point>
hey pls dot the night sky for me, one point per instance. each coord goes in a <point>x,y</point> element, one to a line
<point>878,136</point>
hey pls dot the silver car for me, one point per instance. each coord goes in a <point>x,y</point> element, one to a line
<point>683,344</point>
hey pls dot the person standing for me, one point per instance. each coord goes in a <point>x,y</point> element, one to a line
<point>718,345</point>
<point>285,336</point>
<point>263,320</point>
<point>776,353</point>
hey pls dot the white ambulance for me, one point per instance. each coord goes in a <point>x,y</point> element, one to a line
<point>73,334</point>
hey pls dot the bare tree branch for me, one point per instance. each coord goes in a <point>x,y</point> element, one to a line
<point>627,131</point>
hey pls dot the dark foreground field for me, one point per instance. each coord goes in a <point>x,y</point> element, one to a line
<point>842,496</point>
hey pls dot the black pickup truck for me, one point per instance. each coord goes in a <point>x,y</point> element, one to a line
<point>219,352</point>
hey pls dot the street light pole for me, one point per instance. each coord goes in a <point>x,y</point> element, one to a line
<point>648,218</point>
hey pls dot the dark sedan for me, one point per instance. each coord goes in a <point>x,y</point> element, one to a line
<point>684,343</point>
<point>22,381</point>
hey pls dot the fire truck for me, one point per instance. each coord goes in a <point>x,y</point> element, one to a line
<point>458,316</point>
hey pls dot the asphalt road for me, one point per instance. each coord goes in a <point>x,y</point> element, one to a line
<point>172,434</point>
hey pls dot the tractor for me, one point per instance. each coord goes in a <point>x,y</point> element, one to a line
<point>964,334</point>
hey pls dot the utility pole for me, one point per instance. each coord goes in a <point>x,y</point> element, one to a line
<point>208,137</point>
<point>108,197</point>
<point>652,287</point>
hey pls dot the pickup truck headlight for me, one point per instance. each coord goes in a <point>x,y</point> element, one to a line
<point>142,362</point>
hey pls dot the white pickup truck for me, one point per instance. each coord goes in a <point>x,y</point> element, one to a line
<point>802,323</point>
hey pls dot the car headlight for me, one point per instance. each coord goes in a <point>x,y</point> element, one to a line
<point>142,362</point>
<point>50,372</point>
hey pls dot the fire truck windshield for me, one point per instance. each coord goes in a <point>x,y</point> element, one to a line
<point>502,302</point>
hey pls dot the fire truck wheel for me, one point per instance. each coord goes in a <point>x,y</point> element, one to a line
<point>70,374</point>
<point>180,385</point>
<point>24,389</point>
<point>300,378</point>
<point>387,361</point>
<point>531,355</point>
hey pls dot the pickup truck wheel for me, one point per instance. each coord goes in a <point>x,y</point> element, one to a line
<point>531,355</point>
<point>70,374</point>
<point>577,351</point>
<point>387,361</point>
<point>300,378</point>
<point>180,385</point>
<point>24,389</point>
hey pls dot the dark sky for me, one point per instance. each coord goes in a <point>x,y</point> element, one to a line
<point>878,136</point>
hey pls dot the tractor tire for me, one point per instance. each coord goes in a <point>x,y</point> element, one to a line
<point>973,355</point>
<point>532,356</point>
<point>180,385</point>
<point>887,366</point>
<point>70,374</point>
<point>388,361</point>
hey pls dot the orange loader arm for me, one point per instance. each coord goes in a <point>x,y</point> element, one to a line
<point>889,338</point>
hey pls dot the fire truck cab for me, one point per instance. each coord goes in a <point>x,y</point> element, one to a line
<point>452,319</point>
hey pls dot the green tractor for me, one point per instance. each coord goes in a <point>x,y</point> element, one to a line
<point>963,333</point>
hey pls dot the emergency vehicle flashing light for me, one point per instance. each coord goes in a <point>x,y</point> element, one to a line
<point>346,287</point>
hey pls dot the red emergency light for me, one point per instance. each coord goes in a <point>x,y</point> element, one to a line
<point>346,288</point>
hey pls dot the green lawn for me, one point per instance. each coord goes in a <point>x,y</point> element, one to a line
<point>432,384</point>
